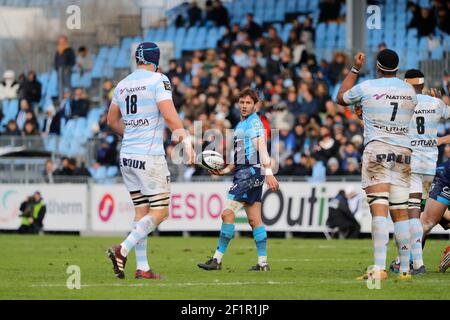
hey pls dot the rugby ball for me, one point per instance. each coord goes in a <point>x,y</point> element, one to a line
<point>211,160</point>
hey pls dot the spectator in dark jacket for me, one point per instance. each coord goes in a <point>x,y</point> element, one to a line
<point>64,61</point>
<point>220,14</point>
<point>11,129</point>
<point>32,90</point>
<point>253,29</point>
<point>80,103</point>
<point>342,218</point>
<point>194,14</point>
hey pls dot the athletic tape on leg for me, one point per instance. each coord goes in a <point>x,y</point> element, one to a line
<point>378,198</point>
<point>159,201</point>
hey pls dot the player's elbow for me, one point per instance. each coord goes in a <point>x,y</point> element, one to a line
<point>340,99</point>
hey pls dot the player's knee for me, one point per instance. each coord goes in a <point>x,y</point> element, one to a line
<point>254,222</point>
<point>227,216</point>
<point>399,198</point>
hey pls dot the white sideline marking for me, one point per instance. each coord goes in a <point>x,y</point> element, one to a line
<point>183,284</point>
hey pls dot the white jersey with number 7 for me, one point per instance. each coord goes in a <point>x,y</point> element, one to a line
<point>388,105</point>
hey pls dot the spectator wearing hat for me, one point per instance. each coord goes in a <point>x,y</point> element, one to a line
<point>52,122</point>
<point>333,168</point>
<point>9,86</point>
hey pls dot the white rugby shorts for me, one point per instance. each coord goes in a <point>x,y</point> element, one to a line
<point>420,183</point>
<point>386,163</point>
<point>147,174</point>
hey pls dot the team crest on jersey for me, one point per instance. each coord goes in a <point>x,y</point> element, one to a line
<point>167,85</point>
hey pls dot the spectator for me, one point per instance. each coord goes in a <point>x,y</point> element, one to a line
<point>32,91</point>
<point>327,147</point>
<point>333,168</point>
<point>220,14</point>
<point>48,171</point>
<point>64,61</point>
<point>108,91</point>
<point>194,14</point>
<point>352,167</point>
<point>81,171</point>
<point>107,152</point>
<point>426,23</point>
<point>12,129</point>
<point>240,58</point>
<point>65,108</point>
<point>336,67</point>
<point>179,21</point>
<point>66,169</point>
<point>22,114</point>
<point>329,10</point>
<point>342,218</point>
<point>9,86</point>
<point>52,122</point>
<point>30,129</point>
<point>84,60</point>
<point>80,104</point>
<point>253,29</point>
<point>272,41</point>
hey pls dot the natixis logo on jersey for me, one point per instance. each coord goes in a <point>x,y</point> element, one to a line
<point>391,97</point>
<point>106,207</point>
<point>131,90</point>
<point>9,204</point>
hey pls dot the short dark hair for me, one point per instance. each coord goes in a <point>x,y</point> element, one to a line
<point>414,73</point>
<point>247,92</point>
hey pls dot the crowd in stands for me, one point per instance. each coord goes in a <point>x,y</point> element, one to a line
<point>296,91</point>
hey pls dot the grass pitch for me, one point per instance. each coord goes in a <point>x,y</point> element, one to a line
<point>34,267</point>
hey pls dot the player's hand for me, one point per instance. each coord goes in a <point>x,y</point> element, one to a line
<point>359,60</point>
<point>216,172</point>
<point>190,155</point>
<point>435,93</point>
<point>358,111</point>
<point>272,183</point>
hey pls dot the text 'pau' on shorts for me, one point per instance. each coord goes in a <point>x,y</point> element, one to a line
<point>385,163</point>
<point>147,174</point>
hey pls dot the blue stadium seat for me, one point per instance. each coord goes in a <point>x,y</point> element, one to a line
<point>112,171</point>
<point>437,53</point>
<point>302,6</point>
<point>285,32</point>
<point>291,6</point>
<point>50,142</point>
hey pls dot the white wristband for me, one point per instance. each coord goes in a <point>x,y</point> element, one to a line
<point>268,172</point>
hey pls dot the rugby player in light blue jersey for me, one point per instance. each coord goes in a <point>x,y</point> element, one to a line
<point>387,108</point>
<point>140,109</point>
<point>424,143</point>
<point>251,165</point>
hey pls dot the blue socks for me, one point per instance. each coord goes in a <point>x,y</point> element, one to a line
<point>226,234</point>
<point>260,236</point>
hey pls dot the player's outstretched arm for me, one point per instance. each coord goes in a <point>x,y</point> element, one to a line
<point>351,78</point>
<point>114,119</point>
<point>175,125</point>
<point>261,147</point>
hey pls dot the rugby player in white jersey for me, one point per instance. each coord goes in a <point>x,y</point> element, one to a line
<point>387,107</point>
<point>140,109</point>
<point>424,143</point>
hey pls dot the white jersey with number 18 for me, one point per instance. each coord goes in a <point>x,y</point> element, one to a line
<point>388,105</point>
<point>137,97</point>
<point>423,130</point>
